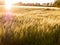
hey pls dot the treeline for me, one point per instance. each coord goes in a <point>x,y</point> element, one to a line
<point>34,4</point>
<point>57,3</point>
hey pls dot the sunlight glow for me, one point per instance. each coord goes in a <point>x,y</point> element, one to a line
<point>9,3</point>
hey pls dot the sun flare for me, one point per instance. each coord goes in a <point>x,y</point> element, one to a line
<point>9,3</point>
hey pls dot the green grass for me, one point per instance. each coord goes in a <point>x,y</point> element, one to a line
<point>30,29</point>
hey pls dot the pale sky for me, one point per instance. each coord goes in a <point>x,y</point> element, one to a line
<point>29,1</point>
<point>37,1</point>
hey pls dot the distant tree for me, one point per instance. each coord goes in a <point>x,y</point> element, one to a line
<point>57,3</point>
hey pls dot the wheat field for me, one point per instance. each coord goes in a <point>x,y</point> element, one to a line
<point>30,27</point>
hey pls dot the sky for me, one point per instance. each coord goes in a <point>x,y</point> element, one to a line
<point>29,1</point>
<point>37,1</point>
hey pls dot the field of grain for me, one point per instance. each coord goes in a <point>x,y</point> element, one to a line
<point>30,27</point>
